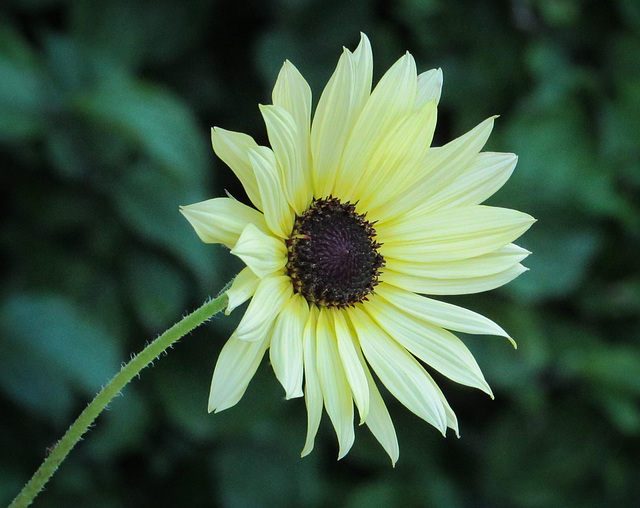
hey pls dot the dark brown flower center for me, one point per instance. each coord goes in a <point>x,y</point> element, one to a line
<point>333,257</point>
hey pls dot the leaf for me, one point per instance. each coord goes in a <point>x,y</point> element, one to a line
<point>560,261</point>
<point>143,33</point>
<point>148,201</point>
<point>22,94</point>
<point>158,291</point>
<point>155,121</point>
<point>52,349</point>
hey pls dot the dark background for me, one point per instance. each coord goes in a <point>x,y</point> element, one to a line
<point>105,109</point>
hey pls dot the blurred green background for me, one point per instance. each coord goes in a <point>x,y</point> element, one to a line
<point>105,109</point>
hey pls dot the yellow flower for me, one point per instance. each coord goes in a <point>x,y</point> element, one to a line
<point>355,215</point>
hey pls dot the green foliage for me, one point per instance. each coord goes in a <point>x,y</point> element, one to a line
<point>105,109</point>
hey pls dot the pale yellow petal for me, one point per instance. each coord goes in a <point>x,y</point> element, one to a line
<point>441,166</point>
<point>400,372</point>
<point>452,420</point>
<point>484,175</point>
<point>236,365</point>
<point>379,421</point>
<point>464,286</point>
<point>347,347</point>
<point>398,157</point>
<point>331,125</point>
<point>435,346</point>
<point>334,383</point>
<point>242,288</point>
<point>312,390</point>
<point>478,266</point>
<point>363,73</point>
<point>271,295</point>
<point>429,87</point>
<point>221,220</point>
<point>292,93</point>
<point>286,351</point>
<point>285,140</point>
<point>392,99</point>
<point>439,313</point>
<point>261,252</point>
<point>233,148</point>
<point>449,235</point>
<point>277,212</point>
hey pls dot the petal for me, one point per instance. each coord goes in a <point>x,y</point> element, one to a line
<point>286,345</point>
<point>464,286</point>
<point>347,347</point>
<point>363,73</point>
<point>233,148</point>
<point>293,94</point>
<point>399,371</point>
<point>272,294</point>
<point>334,383</point>
<point>277,213</point>
<point>452,421</point>
<point>236,365</point>
<point>392,99</point>
<point>439,313</point>
<point>243,287</point>
<point>398,157</point>
<point>449,235</point>
<point>484,175</point>
<point>435,346</point>
<point>221,220</point>
<point>441,166</point>
<point>312,390</point>
<point>429,87</point>
<point>379,421</point>
<point>263,253</point>
<point>479,266</point>
<point>338,108</point>
<point>284,137</point>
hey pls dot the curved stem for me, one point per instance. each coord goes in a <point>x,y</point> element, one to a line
<point>128,372</point>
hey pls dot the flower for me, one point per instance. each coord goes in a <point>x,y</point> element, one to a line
<point>356,216</point>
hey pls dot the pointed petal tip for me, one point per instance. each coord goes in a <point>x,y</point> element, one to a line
<point>344,447</point>
<point>489,391</point>
<point>294,395</point>
<point>364,41</point>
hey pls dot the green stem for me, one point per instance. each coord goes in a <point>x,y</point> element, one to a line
<point>128,372</point>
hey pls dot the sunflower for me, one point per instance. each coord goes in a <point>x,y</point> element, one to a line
<point>356,217</point>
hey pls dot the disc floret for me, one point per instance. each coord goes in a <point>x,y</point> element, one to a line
<point>333,257</point>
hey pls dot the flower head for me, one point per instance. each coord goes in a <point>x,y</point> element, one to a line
<point>356,215</point>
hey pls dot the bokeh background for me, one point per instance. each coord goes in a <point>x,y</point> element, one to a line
<point>105,110</point>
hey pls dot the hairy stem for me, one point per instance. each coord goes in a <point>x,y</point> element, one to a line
<point>128,372</point>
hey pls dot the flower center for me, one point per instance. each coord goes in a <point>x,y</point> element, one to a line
<point>333,257</point>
